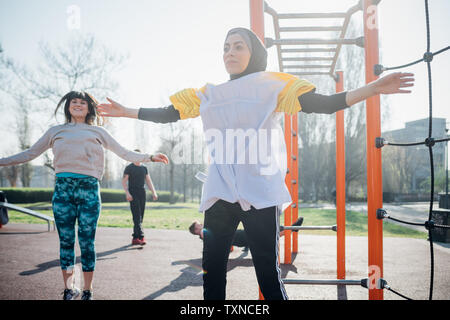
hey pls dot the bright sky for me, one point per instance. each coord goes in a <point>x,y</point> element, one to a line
<point>175,44</point>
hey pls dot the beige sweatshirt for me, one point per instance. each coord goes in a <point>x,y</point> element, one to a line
<point>77,148</point>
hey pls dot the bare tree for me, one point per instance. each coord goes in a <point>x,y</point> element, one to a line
<point>23,132</point>
<point>12,173</point>
<point>353,64</point>
<point>170,139</point>
<point>82,63</point>
<point>317,163</point>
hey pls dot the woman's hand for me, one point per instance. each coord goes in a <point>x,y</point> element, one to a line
<point>393,83</point>
<point>115,109</point>
<point>160,157</point>
<point>155,197</point>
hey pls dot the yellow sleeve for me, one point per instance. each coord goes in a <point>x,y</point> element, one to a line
<point>187,102</point>
<point>294,88</point>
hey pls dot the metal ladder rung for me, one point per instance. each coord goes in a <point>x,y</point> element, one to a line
<point>309,73</point>
<point>306,29</point>
<point>306,66</point>
<point>312,15</point>
<point>309,59</point>
<point>270,42</point>
<point>298,50</point>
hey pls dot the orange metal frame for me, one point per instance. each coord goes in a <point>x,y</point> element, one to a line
<point>374,171</point>
<point>340,183</point>
<point>374,182</point>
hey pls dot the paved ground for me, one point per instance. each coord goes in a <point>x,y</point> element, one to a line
<point>168,267</point>
<point>411,212</point>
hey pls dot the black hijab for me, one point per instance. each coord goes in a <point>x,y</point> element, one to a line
<point>258,58</point>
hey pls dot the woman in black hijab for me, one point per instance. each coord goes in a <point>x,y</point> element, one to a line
<point>235,192</point>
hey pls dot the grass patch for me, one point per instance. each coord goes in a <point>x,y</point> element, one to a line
<point>179,216</point>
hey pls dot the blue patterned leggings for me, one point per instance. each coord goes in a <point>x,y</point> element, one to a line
<point>77,198</point>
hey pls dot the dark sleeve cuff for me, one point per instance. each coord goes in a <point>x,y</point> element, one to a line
<point>159,115</point>
<point>312,102</point>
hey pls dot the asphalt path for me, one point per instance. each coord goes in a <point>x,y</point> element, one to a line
<point>169,267</point>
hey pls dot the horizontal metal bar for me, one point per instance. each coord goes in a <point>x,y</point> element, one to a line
<point>311,15</point>
<point>309,73</point>
<point>30,212</point>
<point>299,50</point>
<point>270,42</point>
<point>27,211</point>
<point>295,228</point>
<point>323,282</point>
<point>302,29</point>
<point>308,59</point>
<point>307,66</point>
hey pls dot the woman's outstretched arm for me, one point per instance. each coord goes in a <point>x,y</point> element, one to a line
<point>115,109</point>
<point>393,83</point>
<point>158,115</point>
<point>389,84</point>
<point>33,152</point>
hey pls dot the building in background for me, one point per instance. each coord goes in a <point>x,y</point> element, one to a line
<point>413,162</point>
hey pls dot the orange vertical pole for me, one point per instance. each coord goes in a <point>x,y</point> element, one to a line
<point>374,174</point>
<point>257,26</point>
<point>257,18</point>
<point>340,183</point>
<point>288,180</point>
<point>295,202</point>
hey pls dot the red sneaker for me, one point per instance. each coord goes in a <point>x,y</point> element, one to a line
<point>142,240</point>
<point>135,241</point>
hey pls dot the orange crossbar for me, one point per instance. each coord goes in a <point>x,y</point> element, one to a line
<point>340,183</point>
<point>374,171</point>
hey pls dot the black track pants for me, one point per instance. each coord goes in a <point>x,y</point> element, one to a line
<point>261,227</point>
<point>137,209</point>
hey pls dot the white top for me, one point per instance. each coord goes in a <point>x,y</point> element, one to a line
<point>251,168</point>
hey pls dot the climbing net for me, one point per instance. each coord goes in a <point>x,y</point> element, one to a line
<point>430,225</point>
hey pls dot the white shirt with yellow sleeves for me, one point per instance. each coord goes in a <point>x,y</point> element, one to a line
<point>241,122</point>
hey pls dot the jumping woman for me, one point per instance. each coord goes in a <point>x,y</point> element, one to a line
<point>237,189</point>
<point>78,152</point>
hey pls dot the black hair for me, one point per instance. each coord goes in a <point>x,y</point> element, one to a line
<point>92,115</point>
<point>192,227</point>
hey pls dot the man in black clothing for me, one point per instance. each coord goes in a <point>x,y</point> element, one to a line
<point>134,178</point>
